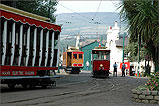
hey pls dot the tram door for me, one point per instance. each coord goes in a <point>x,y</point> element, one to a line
<point>69,57</point>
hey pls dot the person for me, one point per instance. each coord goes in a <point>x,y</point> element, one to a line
<point>87,64</point>
<point>123,70</point>
<point>115,69</point>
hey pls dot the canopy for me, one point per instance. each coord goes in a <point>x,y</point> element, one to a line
<point>17,15</point>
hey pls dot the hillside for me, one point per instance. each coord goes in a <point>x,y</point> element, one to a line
<point>82,23</point>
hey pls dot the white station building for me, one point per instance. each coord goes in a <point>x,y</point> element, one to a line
<point>115,44</point>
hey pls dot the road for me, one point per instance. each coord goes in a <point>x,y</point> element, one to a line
<point>77,90</point>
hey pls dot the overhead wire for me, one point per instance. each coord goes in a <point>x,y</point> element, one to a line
<point>83,17</point>
<point>97,10</point>
<point>73,11</point>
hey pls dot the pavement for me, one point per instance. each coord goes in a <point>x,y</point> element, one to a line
<point>62,72</point>
<point>76,90</point>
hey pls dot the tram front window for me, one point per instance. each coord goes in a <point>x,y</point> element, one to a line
<point>101,56</point>
<point>74,56</point>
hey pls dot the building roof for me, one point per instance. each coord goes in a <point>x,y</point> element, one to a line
<point>119,43</point>
<point>89,43</point>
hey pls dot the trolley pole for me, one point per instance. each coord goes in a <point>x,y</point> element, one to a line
<point>123,47</point>
<point>59,62</point>
<point>58,68</point>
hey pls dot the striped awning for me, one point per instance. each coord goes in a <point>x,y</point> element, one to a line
<point>27,18</point>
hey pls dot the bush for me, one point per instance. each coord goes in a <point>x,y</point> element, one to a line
<point>153,83</point>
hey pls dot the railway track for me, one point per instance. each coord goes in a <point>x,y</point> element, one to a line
<point>97,86</point>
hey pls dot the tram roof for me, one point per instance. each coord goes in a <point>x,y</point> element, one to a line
<point>75,50</point>
<point>17,15</point>
<point>101,49</point>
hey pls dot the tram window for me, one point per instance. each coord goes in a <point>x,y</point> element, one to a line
<point>38,36</point>
<point>9,33</point>
<point>107,56</point>
<point>95,56</point>
<point>74,56</point>
<point>24,37</point>
<point>50,39</point>
<point>80,56</point>
<point>101,55</point>
<point>9,37</point>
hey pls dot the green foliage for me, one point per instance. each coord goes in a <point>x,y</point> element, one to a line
<point>39,7</point>
<point>142,87</point>
<point>132,50</point>
<point>142,17</point>
<point>153,83</point>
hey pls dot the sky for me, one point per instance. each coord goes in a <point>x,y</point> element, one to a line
<point>87,6</point>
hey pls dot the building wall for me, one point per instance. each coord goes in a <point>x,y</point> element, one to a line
<point>116,56</point>
<point>87,54</point>
<point>116,52</point>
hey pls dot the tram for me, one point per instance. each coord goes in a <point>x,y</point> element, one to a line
<point>73,60</point>
<point>100,62</point>
<point>29,48</point>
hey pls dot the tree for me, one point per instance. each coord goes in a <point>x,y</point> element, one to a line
<point>40,7</point>
<point>132,51</point>
<point>142,17</point>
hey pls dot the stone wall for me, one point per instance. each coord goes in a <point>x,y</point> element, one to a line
<point>145,96</point>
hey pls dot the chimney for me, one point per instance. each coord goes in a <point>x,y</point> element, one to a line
<point>116,24</point>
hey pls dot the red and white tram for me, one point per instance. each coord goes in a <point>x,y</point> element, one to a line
<point>29,48</point>
<point>100,62</point>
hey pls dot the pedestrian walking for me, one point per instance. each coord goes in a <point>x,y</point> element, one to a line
<point>123,70</point>
<point>115,69</point>
<point>87,64</point>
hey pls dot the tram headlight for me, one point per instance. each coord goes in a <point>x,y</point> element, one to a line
<point>101,67</point>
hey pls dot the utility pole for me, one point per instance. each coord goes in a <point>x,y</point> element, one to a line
<point>139,46</point>
<point>49,12</point>
<point>123,45</point>
<point>101,39</point>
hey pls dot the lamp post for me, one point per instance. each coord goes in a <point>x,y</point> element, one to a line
<point>58,70</point>
<point>123,45</point>
<point>139,46</point>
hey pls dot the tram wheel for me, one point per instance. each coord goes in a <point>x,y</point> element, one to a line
<point>11,85</point>
<point>44,86</point>
<point>24,85</point>
<point>32,86</point>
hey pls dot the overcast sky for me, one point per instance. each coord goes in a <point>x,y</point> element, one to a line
<point>87,6</point>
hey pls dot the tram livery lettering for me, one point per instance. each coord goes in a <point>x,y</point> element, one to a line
<point>5,73</point>
<point>29,73</point>
<point>17,73</point>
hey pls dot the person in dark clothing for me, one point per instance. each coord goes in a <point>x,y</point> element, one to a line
<point>115,69</point>
<point>123,70</point>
